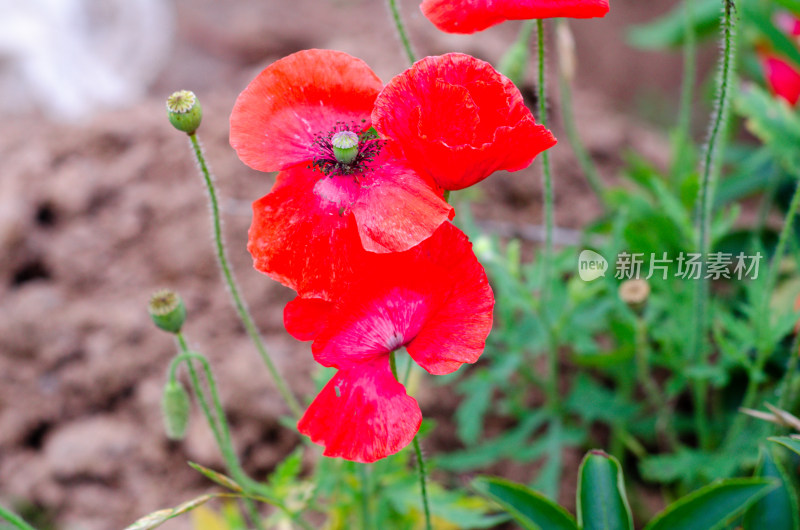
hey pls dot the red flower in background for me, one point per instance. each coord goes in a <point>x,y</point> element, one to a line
<point>783,78</point>
<point>459,120</point>
<point>323,210</point>
<point>433,299</point>
<point>469,16</point>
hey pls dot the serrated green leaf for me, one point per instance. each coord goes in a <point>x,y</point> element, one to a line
<point>470,413</point>
<point>712,507</point>
<point>774,123</point>
<point>219,478</point>
<point>287,470</point>
<point>789,442</point>
<point>530,509</point>
<point>778,510</point>
<point>602,502</point>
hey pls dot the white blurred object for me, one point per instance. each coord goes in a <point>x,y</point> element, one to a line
<point>70,58</point>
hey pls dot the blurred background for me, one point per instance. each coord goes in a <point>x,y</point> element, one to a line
<point>100,205</point>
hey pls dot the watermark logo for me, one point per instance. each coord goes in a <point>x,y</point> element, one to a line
<point>591,265</point>
<point>687,266</point>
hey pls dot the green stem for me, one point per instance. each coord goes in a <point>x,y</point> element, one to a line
<point>14,519</point>
<point>422,483</point>
<point>581,154</point>
<point>233,288</point>
<point>698,347</point>
<point>219,425</point>
<point>655,399</point>
<point>366,519</point>
<point>401,31</point>
<point>547,262</point>
<point>785,397</point>
<point>765,349</point>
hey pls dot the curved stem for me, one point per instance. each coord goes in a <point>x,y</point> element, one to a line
<point>423,477</point>
<point>233,288</point>
<point>401,30</point>
<point>15,520</point>
<point>219,425</point>
<point>705,203</point>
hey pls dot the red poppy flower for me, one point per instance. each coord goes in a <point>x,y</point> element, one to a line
<point>308,115</point>
<point>469,16</point>
<point>433,299</point>
<point>782,77</point>
<point>458,119</point>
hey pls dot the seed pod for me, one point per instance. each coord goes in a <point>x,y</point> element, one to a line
<point>175,408</point>
<point>167,310</point>
<point>184,111</point>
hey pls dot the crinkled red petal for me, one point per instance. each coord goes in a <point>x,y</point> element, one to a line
<point>397,208</point>
<point>434,298</point>
<point>305,318</point>
<point>275,119</point>
<point>426,109</point>
<point>783,78</point>
<point>305,241</point>
<point>363,414</point>
<point>469,16</point>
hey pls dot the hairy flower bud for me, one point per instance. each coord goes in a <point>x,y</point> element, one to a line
<point>184,111</point>
<point>167,310</point>
<point>175,408</point>
<point>565,43</point>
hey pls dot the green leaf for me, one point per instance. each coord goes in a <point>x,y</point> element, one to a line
<point>219,478</point>
<point>774,123</point>
<point>602,503</point>
<point>669,31</point>
<point>159,517</point>
<point>712,507</point>
<point>778,510</point>
<point>530,509</point>
<point>790,442</point>
<point>469,415</point>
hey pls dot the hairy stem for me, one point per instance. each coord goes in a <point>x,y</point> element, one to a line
<point>689,72</point>
<point>230,280</point>
<point>423,478</point>
<point>401,31</point>
<point>699,348</point>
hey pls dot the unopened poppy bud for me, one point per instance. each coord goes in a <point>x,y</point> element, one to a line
<point>345,146</point>
<point>634,292</point>
<point>565,44</point>
<point>175,408</point>
<point>167,310</point>
<point>184,111</point>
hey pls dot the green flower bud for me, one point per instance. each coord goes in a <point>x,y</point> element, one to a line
<point>167,310</point>
<point>345,146</point>
<point>175,408</point>
<point>184,111</point>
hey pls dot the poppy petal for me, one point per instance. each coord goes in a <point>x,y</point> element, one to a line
<point>469,16</point>
<point>276,118</point>
<point>426,109</point>
<point>397,208</point>
<point>363,414</point>
<point>305,318</point>
<point>301,234</point>
<point>783,78</point>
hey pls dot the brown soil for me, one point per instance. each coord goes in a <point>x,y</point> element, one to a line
<point>93,218</point>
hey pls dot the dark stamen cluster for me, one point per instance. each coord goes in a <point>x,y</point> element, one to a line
<point>369,147</point>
